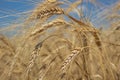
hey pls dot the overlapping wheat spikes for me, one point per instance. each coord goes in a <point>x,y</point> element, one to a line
<point>53,45</point>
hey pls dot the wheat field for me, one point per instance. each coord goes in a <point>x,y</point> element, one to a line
<point>53,45</point>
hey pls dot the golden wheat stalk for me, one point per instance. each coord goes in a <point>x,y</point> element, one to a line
<point>7,43</point>
<point>69,59</point>
<point>34,56</point>
<point>53,23</point>
<point>90,29</point>
<point>43,11</point>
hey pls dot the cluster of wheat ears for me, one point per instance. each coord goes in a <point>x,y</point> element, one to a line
<point>58,46</point>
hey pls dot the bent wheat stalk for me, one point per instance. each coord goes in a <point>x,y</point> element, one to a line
<point>92,30</point>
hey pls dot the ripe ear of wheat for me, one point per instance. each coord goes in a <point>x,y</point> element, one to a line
<point>60,48</point>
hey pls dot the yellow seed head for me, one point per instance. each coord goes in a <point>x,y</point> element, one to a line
<point>51,0</point>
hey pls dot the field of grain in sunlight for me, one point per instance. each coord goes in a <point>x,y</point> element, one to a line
<point>51,44</point>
